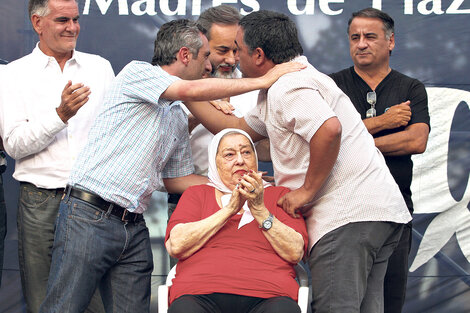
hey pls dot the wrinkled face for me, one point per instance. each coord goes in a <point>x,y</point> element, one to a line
<point>223,57</point>
<point>199,66</point>
<point>246,59</point>
<point>58,31</point>
<point>235,157</point>
<point>368,45</point>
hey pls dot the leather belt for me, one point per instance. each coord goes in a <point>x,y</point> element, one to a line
<point>173,198</point>
<point>103,205</point>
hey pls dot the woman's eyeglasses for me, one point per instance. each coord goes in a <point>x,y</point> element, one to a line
<point>372,100</point>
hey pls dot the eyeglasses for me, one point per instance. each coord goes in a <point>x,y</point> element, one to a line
<point>372,100</point>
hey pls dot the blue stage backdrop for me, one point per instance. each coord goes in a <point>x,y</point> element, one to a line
<point>432,44</point>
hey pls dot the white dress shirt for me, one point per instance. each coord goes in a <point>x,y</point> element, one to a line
<point>34,135</point>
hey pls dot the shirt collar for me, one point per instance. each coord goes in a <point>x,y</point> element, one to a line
<point>237,73</point>
<point>43,60</point>
<point>300,59</point>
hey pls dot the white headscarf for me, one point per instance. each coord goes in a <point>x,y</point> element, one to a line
<point>213,174</point>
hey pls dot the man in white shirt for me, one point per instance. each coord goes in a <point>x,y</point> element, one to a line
<point>45,125</point>
<point>324,154</point>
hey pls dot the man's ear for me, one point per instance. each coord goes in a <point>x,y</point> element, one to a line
<point>36,21</point>
<point>391,43</point>
<point>184,55</point>
<point>259,56</point>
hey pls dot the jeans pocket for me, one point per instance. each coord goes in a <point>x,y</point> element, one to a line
<point>33,199</point>
<point>83,211</point>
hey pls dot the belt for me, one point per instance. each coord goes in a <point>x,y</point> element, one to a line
<point>103,205</point>
<point>174,198</point>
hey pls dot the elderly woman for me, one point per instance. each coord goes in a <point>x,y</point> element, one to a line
<point>236,248</point>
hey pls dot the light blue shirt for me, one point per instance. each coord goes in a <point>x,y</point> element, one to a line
<point>137,139</point>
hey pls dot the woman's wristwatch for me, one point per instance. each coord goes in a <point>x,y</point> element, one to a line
<point>267,223</point>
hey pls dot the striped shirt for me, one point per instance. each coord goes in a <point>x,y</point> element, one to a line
<point>137,139</point>
<point>360,187</point>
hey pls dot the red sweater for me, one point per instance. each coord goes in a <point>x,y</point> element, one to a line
<point>236,261</point>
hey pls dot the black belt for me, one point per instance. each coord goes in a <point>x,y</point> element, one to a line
<point>174,198</point>
<point>103,205</point>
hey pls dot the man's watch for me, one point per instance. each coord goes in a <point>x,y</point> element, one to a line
<point>267,223</point>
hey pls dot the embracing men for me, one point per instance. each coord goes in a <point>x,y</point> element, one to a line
<point>326,156</point>
<point>139,138</point>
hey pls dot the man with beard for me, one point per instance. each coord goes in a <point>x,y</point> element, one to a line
<point>221,24</point>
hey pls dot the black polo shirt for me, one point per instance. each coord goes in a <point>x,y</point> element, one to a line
<point>394,89</point>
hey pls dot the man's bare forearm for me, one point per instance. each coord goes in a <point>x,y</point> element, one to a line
<point>218,88</point>
<point>180,184</point>
<point>324,150</point>
<point>396,116</point>
<point>412,140</point>
<point>263,150</point>
<point>211,88</point>
<point>215,120</point>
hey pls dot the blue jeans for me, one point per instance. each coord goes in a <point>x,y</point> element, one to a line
<point>37,214</point>
<point>348,266</point>
<point>93,248</point>
<point>3,226</point>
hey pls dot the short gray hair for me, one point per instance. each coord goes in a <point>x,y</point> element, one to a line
<point>221,14</point>
<point>39,7</point>
<point>174,35</point>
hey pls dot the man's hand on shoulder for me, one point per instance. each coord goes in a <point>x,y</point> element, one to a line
<point>72,99</point>
<point>278,70</point>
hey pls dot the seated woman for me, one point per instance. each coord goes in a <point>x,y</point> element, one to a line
<point>236,248</point>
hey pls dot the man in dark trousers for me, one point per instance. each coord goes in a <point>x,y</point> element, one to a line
<point>394,108</point>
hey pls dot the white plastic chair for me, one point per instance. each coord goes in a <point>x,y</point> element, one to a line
<point>302,278</point>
